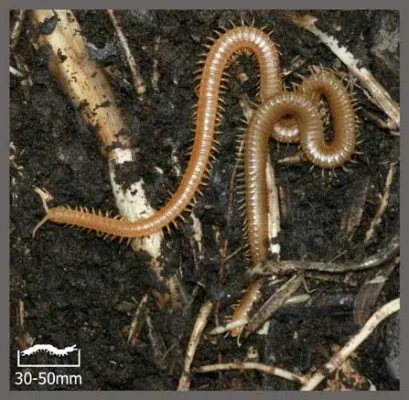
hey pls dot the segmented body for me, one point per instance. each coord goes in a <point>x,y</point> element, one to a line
<point>268,119</point>
<point>224,48</point>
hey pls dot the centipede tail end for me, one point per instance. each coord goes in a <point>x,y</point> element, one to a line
<point>45,196</point>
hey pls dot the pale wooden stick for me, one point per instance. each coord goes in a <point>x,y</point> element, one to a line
<point>138,81</point>
<point>383,203</point>
<point>201,321</point>
<point>338,359</point>
<point>86,85</point>
<point>265,369</point>
<point>377,91</point>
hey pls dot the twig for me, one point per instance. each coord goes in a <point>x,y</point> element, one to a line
<point>157,343</point>
<point>79,76</point>
<point>20,313</point>
<point>384,254</point>
<point>137,321</point>
<point>296,63</point>
<point>339,358</point>
<point>388,124</point>
<point>266,369</point>
<point>273,304</point>
<point>89,90</point>
<point>383,203</point>
<point>155,64</point>
<point>201,321</point>
<point>368,294</point>
<point>230,326</point>
<point>353,215</point>
<point>138,81</point>
<point>234,254</point>
<point>273,210</point>
<point>379,94</point>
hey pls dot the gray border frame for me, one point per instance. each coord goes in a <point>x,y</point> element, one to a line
<point>6,5</point>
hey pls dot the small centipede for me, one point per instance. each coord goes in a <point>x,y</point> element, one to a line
<point>308,129</point>
<point>226,45</point>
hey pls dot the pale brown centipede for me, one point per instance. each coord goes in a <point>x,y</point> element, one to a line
<point>309,131</point>
<point>237,39</point>
<point>316,149</point>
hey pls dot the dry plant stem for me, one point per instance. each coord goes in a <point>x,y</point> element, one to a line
<point>201,321</point>
<point>368,294</point>
<point>133,204</point>
<point>353,214</point>
<point>137,321</point>
<point>16,28</point>
<point>20,313</point>
<point>265,369</point>
<point>138,82</point>
<point>388,124</point>
<point>82,80</point>
<point>156,342</point>
<point>383,203</point>
<point>273,304</point>
<point>155,76</point>
<point>273,210</point>
<point>379,94</point>
<point>88,88</point>
<point>229,326</point>
<point>339,358</point>
<point>383,254</point>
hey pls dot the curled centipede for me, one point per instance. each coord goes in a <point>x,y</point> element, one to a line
<point>308,130</point>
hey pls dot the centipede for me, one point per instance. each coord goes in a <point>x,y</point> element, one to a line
<point>268,121</point>
<point>306,128</point>
<point>229,43</point>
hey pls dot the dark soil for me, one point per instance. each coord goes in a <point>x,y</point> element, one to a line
<point>79,289</point>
